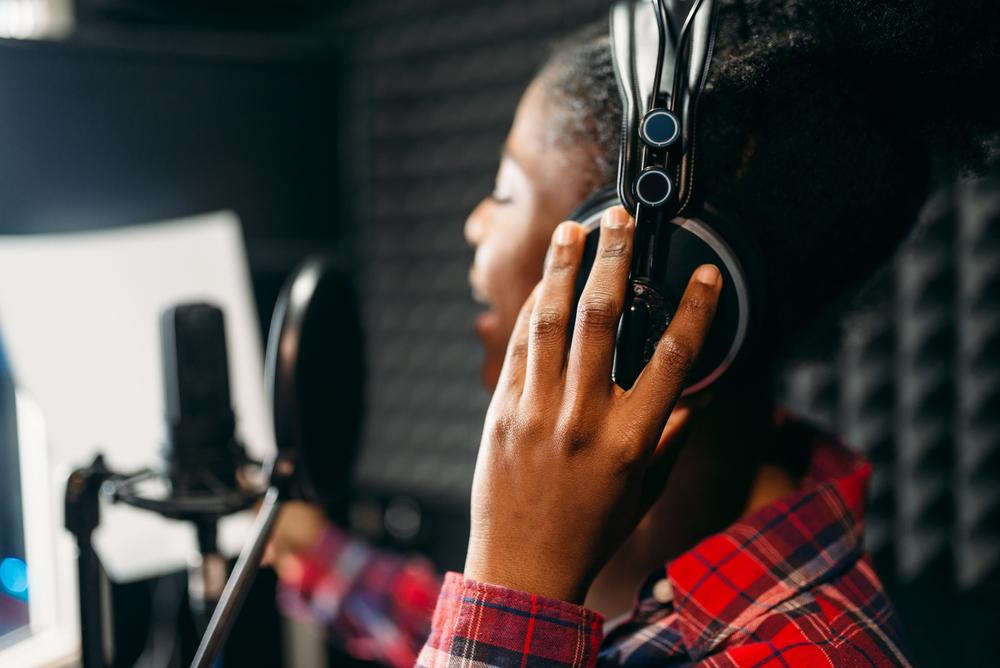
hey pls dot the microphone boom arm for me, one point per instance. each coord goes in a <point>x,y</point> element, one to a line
<point>238,585</point>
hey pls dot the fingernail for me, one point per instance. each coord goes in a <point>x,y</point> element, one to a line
<point>567,233</point>
<point>616,218</point>
<point>708,274</point>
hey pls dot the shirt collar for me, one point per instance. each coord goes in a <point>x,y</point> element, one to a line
<point>776,552</point>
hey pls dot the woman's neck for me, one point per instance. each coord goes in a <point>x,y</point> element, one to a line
<point>718,478</point>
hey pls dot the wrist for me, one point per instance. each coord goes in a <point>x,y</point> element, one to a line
<point>526,574</point>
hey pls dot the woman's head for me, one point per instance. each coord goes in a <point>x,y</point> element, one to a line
<point>787,141</point>
<point>562,146</point>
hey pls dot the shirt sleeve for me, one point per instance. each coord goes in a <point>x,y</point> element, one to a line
<point>375,604</point>
<point>490,626</point>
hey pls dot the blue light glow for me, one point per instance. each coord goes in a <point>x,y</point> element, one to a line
<point>14,577</point>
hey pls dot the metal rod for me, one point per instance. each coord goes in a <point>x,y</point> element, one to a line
<point>239,582</point>
<point>91,610</point>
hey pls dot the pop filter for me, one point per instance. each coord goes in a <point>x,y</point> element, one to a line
<point>314,371</point>
<point>314,375</point>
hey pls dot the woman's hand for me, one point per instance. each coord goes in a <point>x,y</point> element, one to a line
<point>297,532</point>
<point>568,462</point>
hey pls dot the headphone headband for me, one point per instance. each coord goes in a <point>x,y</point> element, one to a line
<point>661,51</point>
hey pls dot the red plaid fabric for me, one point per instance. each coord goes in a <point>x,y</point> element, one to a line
<point>788,585</point>
<point>376,605</point>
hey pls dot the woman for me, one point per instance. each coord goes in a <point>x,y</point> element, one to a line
<point>749,552</point>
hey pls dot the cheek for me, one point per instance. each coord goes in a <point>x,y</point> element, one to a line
<point>496,269</point>
<point>512,270</point>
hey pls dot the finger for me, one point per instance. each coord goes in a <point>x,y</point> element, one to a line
<point>660,384</point>
<point>512,372</point>
<point>553,306</point>
<point>600,308</point>
<point>662,461</point>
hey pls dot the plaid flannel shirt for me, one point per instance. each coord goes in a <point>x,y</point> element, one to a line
<point>787,585</point>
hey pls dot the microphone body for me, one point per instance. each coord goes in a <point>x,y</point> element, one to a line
<point>202,454</point>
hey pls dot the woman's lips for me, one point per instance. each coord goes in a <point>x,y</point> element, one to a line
<point>487,323</point>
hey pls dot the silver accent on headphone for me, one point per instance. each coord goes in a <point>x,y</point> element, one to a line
<point>650,138</point>
<point>654,179</point>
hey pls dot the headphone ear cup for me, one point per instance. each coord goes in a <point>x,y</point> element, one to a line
<point>708,238</point>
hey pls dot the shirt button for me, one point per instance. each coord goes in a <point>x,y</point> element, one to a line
<point>663,591</point>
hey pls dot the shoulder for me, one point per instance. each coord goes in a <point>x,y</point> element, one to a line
<point>845,621</point>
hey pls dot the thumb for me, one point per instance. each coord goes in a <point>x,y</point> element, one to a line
<point>663,458</point>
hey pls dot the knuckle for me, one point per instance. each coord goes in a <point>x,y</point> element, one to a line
<point>615,249</point>
<point>573,434</point>
<point>559,267</point>
<point>547,322</point>
<point>518,351</point>
<point>561,261</point>
<point>511,428</point>
<point>628,456</point>
<point>674,353</point>
<point>502,427</point>
<point>597,312</point>
<point>576,426</point>
<point>631,442</point>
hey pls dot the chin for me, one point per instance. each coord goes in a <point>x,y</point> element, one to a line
<point>489,374</point>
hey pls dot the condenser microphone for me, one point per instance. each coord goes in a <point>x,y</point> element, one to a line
<point>201,453</point>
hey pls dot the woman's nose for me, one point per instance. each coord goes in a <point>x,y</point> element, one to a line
<point>475,226</point>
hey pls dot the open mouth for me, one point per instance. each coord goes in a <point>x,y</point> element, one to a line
<point>478,294</point>
<point>487,322</point>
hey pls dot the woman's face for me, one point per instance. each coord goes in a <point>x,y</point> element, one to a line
<point>537,186</point>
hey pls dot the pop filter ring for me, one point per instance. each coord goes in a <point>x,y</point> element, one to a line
<point>282,356</point>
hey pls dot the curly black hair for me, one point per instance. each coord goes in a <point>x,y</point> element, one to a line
<point>821,127</point>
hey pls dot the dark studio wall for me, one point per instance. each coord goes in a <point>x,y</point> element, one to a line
<point>115,133</point>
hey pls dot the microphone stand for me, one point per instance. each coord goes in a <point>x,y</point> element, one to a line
<point>247,565</point>
<point>82,517</point>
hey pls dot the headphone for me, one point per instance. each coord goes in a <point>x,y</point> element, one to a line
<point>661,51</point>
